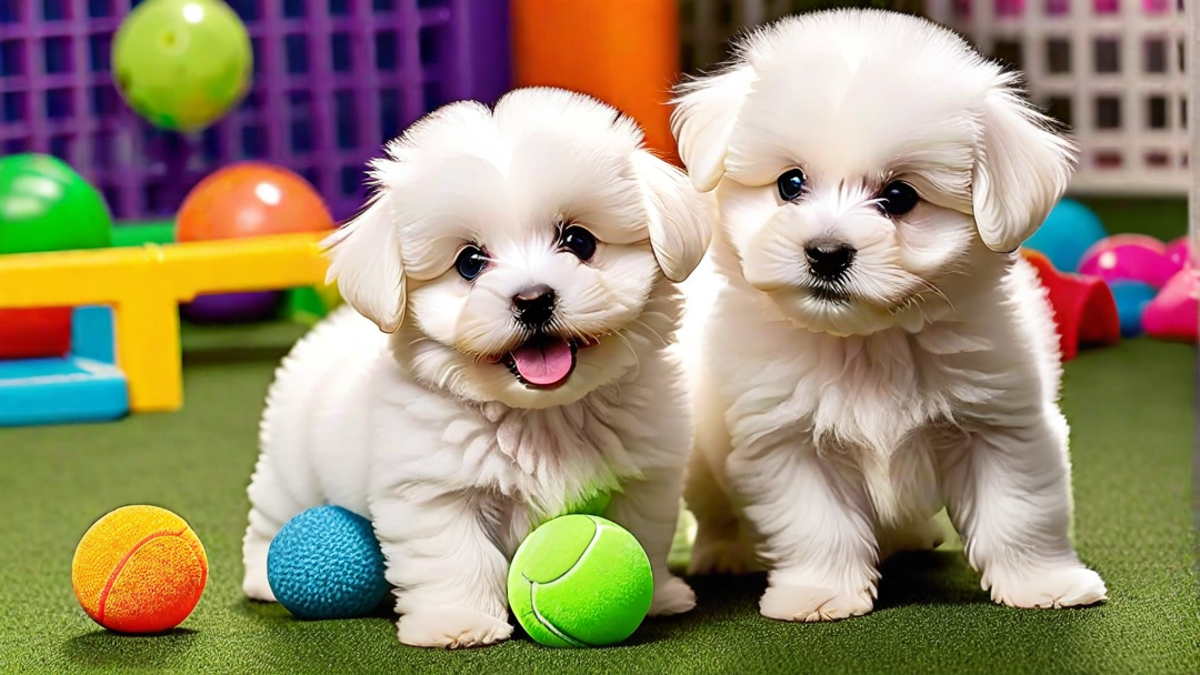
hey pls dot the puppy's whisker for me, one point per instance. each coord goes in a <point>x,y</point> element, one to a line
<point>933,288</point>
<point>637,363</point>
<point>653,333</point>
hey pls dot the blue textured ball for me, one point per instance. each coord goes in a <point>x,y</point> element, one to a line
<point>1132,298</point>
<point>1066,234</point>
<point>326,564</point>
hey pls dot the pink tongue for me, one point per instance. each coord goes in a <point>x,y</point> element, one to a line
<point>544,364</point>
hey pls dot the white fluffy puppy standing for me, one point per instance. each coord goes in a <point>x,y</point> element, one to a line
<point>515,271</point>
<point>873,348</point>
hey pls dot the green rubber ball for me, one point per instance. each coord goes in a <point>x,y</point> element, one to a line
<point>580,581</point>
<point>182,64</point>
<point>46,206</point>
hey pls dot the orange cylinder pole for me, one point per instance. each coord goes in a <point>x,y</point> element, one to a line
<point>623,52</point>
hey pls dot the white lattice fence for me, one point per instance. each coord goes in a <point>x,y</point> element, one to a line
<point>1113,70</point>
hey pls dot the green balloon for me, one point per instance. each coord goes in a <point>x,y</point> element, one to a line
<point>182,64</point>
<point>46,206</point>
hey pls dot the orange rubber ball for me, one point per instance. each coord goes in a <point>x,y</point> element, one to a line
<point>139,569</point>
<point>251,199</point>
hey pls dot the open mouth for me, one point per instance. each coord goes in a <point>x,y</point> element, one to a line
<point>543,362</point>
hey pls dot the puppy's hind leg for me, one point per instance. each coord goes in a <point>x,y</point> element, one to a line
<point>721,547</point>
<point>271,507</point>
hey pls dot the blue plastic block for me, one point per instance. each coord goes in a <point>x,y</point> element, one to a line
<point>93,335</point>
<point>83,387</point>
<point>60,391</point>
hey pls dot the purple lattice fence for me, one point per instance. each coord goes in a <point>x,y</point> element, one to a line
<point>333,80</point>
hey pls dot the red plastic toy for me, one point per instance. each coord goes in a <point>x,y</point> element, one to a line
<point>35,333</point>
<point>1084,308</point>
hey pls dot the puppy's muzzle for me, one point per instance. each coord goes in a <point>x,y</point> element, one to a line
<point>829,262</point>
<point>534,306</point>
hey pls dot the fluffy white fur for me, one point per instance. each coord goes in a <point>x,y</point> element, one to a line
<point>420,429</point>
<point>830,431</point>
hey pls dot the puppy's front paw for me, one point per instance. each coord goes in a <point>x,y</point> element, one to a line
<point>452,628</point>
<point>1070,586</point>
<point>673,596</point>
<point>720,556</point>
<point>813,603</point>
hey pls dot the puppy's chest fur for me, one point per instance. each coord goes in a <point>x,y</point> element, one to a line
<point>547,459</point>
<point>523,465</point>
<point>886,404</point>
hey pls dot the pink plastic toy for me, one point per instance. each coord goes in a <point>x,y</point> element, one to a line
<point>1179,254</point>
<point>1175,313</point>
<point>1128,257</point>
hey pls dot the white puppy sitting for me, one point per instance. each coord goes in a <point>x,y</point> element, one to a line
<point>519,262</point>
<point>876,349</point>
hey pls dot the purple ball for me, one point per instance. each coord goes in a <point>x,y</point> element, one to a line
<point>233,307</point>
<point>1128,257</point>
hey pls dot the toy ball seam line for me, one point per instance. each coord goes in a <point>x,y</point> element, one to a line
<point>558,632</point>
<point>533,586</point>
<point>112,578</point>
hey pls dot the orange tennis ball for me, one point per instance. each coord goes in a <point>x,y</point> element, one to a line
<point>139,569</point>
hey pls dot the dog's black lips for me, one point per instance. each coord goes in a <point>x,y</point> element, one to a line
<point>539,339</point>
<point>831,293</point>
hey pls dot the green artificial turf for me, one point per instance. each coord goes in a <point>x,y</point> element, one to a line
<point>1131,411</point>
<point>1130,406</point>
<point>1164,218</point>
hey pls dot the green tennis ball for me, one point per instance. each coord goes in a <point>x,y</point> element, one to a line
<point>580,581</point>
<point>182,64</point>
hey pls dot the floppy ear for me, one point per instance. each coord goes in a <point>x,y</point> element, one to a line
<point>702,122</point>
<point>680,219</point>
<point>365,260</point>
<point>1022,170</point>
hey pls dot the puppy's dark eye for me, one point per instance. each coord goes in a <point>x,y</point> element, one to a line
<point>791,184</point>
<point>898,198</point>
<point>470,263</point>
<point>578,241</point>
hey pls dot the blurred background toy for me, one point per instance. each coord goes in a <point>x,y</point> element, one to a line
<point>45,205</point>
<point>56,363</point>
<point>139,569</point>
<point>1179,254</point>
<point>1128,257</point>
<point>242,200</point>
<point>1085,312</point>
<point>182,64</point>
<point>325,563</point>
<point>1174,313</point>
<point>1131,297</point>
<point>1067,233</point>
<point>1137,269</point>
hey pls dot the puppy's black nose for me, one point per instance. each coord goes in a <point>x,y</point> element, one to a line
<point>534,306</point>
<point>828,262</point>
